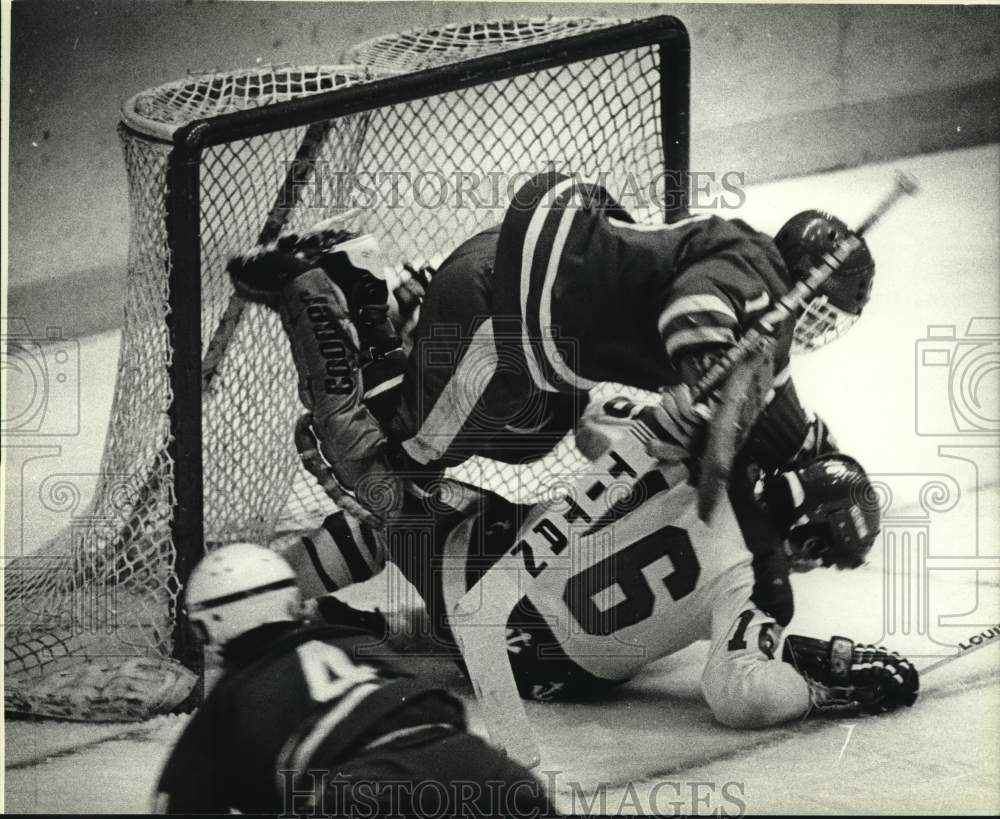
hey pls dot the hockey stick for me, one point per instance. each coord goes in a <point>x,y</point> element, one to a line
<point>795,299</point>
<point>478,621</point>
<point>741,404</point>
<point>964,649</point>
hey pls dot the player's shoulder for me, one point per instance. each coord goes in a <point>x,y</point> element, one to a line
<point>720,228</point>
<point>276,641</point>
<point>335,634</point>
<point>548,196</point>
<point>690,236</point>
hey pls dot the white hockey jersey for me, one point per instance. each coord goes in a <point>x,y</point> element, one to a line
<point>623,573</point>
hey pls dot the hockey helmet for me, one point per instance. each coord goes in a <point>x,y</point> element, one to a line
<point>826,511</point>
<point>803,241</point>
<point>239,587</point>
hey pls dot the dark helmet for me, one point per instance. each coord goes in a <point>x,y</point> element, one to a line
<point>827,512</point>
<point>803,241</point>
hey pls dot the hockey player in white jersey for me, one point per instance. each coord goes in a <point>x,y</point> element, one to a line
<point>649,578</point>
<point>605,597</point>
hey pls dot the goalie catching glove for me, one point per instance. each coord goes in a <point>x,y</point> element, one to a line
<point>342,364</point>
<point>844,676</point>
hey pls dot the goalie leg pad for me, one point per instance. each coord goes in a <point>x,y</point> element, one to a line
<point>324,344</point>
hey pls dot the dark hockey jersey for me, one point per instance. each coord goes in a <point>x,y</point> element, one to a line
<point>292,698</point>
<point>522,320</point>
<point>625,298</point>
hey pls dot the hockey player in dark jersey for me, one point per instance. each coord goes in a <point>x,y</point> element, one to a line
<point>318,720</point>
<point>522,320</point>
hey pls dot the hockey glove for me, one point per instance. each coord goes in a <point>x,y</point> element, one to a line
<point>845,676</point>
<point>681,424</point>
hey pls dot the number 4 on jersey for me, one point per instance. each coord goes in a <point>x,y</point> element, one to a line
<point>329,672</point>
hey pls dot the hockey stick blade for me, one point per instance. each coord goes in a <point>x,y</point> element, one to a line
<point>478,621</point>
<point>742,399</point>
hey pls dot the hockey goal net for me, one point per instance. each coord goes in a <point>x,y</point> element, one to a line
<point>428,133</point>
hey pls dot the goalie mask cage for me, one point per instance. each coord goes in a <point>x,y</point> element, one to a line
<point>433,129</point>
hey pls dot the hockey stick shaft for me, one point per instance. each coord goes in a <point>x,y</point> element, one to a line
<point>792,301</point>
<point>965,648</point>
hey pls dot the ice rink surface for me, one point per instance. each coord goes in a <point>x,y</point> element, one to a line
<point>912,392</point>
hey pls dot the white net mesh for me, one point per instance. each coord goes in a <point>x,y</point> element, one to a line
<point>426,48</point>
<point>108,585</point>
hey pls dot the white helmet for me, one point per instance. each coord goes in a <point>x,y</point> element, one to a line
<point>240,587</point>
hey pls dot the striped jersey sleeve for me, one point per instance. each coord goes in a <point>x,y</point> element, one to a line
<point>726,275</point>
<point>601,297</point>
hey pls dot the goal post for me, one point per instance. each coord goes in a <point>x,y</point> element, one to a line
<point>205,402</point>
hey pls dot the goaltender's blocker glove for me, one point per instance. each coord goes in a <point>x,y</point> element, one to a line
<point>845,676</point>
